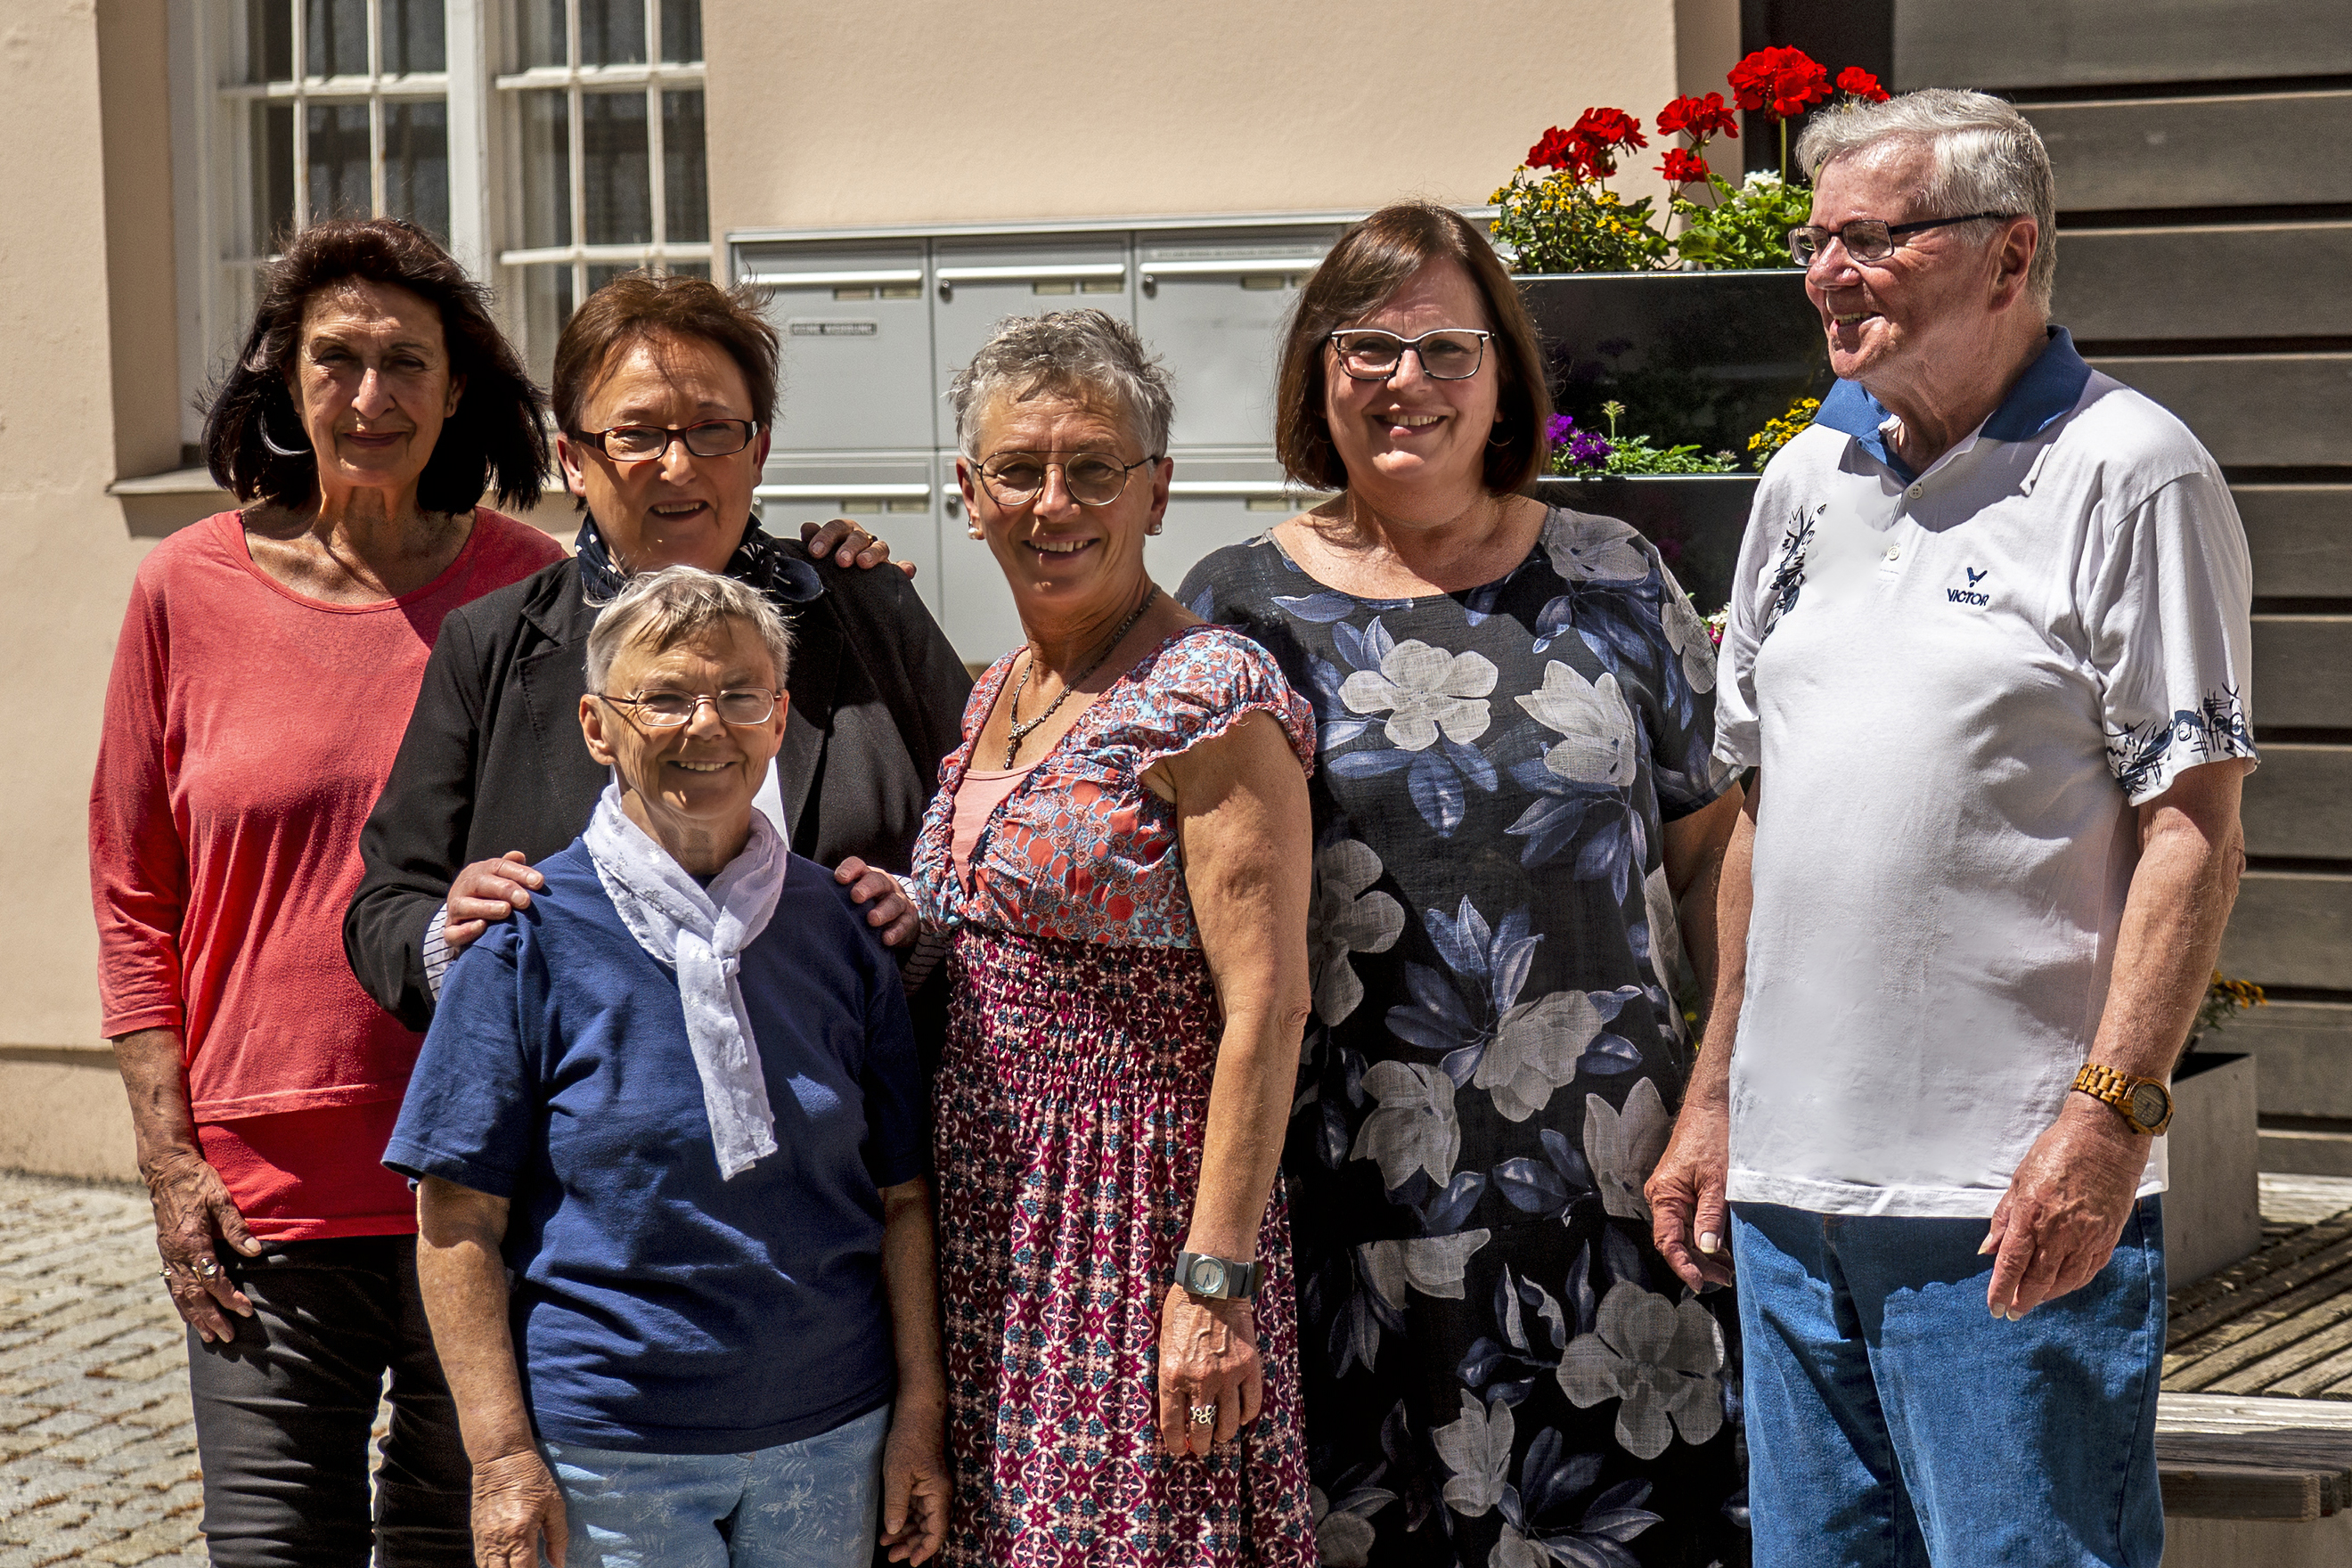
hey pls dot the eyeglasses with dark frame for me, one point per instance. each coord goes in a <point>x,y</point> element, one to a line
<point>742,708</point>
<point>1867,239</point>
<point>1448,353</point>
<point>644,443</point>
<point>1018,478</point>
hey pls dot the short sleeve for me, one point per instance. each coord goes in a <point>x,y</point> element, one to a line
<point>1203,685</point>
<point>472,1106</point>
<point>1738,742</point>
<point>2168,619</point>
<point>897,1136</point>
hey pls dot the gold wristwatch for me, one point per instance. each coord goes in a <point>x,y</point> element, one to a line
<point>2143,1104</point>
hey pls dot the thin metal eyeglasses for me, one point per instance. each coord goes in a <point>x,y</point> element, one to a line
<point>669,709</point>
<point>644,443</point>
<point>1867,239</point>
<point>1449,354</point>
<point>1018,478</point>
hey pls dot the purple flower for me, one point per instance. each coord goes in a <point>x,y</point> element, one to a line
<point>1589,446</point>
<point>1558,429</point>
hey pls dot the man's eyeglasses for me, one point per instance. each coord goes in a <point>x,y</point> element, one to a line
<point>1867,239</point>
<point>669,710</point>
<point>1017,479</point>
<point>644,443</point>
<point>1449,354</point>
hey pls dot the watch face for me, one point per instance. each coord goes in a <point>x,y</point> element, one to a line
<point>2148,1104</point>
<point>1208,1276</point>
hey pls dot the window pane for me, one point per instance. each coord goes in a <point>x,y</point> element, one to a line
<point>273,175</point>
<point>546,306</point>
<point>616,182</point>
<point>685,193</point>
<point>270,40</point>
<point>414,36</point>
<point>546,169</point>
<point>339,161</point>
<point>600,275</point>
<point>611,32</point>
<point>681,26</point>
<point>689,269</point>
<point>542,33</point>
<point>416,164</point>
<point>335,34</point>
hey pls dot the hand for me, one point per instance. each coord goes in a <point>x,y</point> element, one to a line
<point>1208,1355</point>
<point>192,1209</point>
<point>484,892</point>
<point>1688,1220</point>
<point>2057,1224</point>
<point>893,912</point>
<point>517,1506</point>
<point>915,1480</point>
<point>849,544</point>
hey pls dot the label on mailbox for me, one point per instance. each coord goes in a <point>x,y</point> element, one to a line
<point>803,327</point>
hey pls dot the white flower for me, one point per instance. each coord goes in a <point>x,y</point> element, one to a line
<point>1623,1148</point>
<point>1478,1450</point>
<point>1535,1051</point>
<point>1659,1358</point>
<point>1343,1535</point>
<point>1424,690</point>
<point>1415,1128</point>
<point>1432,1265</point>
<point>1595,550</point>
<point>1687,635</point>
<point>1592,715</point>
<point>1347,918</point>
<point>1516,1551</point>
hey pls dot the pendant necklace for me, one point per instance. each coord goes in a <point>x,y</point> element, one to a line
<point>1020,732</point>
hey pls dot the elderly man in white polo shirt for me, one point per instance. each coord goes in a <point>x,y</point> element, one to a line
<point>1989,650</point>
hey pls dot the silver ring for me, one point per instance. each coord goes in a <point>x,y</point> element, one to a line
<point>1204,1415</point>
<point>206,1267</point>
<point>164,1273</point>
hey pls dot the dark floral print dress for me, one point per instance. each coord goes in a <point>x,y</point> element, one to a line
<point>1496,1368</point>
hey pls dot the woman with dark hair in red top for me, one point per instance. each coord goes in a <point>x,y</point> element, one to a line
<point>265,670</point>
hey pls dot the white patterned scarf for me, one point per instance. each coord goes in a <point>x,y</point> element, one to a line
<point>701,934</point>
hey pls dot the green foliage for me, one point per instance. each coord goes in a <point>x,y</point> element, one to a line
<point>1779,432</point>
<point>1747,226</point>
<point>1635,455</point>
<point>1558,223</point>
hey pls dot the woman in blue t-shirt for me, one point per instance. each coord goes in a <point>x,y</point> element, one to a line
<point>675,1100</point>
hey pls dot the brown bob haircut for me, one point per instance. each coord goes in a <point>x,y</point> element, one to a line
<point>1370,262</point>
<point>648,306</point>
<point>495,439</point>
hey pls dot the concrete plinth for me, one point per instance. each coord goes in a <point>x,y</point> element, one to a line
<point>2212,1209</point>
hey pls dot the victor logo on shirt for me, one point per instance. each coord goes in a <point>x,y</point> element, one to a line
<point>1970,595</point>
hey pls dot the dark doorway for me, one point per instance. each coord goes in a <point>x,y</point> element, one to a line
<point>1837,32</point>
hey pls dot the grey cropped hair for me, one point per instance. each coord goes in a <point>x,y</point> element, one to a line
<point>1086,356</point>
<point>661,609</point>
<point>1985,157</point>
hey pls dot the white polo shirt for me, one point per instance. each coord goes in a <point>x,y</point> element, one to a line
<point>1957,685</point>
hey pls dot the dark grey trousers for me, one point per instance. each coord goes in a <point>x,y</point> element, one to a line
<point>284,1411</point>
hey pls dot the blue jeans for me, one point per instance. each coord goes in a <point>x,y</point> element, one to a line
<point>810,1504</point>
<point>1893,1422</point>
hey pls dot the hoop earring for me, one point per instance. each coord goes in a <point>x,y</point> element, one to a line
<point>1504,442</point>
<point>262,425</point>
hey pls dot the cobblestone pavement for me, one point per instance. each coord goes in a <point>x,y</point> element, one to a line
<point>97,1448</point>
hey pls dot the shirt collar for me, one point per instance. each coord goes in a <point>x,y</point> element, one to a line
<point>2048,390</point>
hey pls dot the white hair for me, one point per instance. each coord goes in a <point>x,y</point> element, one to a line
<point>1983,156</point>
<point>1087,356</point>
<point>661,609</point>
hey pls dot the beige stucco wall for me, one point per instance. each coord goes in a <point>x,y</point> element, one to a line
<point>912,111</point>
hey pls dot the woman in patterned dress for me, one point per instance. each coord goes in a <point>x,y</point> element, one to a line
<point>1120,850</point>
<point>1513,792</point>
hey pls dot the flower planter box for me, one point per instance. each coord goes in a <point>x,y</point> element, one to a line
<point>2212,1209</point>
<point>1696,521</point>
<point>1700,357</point>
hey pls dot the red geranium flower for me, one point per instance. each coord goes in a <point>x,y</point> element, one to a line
<point>1782,81</point>
<point>1683,168</point>
<point>1861,84</point>
<point>1701,117</point>
<point>1606,128</point>
<point>1554,151</point>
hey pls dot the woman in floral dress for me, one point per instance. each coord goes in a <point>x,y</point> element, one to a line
<point>1513,793</point>
<point>1119,849</point>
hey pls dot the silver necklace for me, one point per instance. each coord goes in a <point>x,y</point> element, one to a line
<point>1020,732</point>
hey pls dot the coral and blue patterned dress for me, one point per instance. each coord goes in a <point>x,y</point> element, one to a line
<point>1499,1370</point>
<point>1072,1101</point>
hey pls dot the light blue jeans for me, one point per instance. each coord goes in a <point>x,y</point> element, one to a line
<point>810,1504</point>
<point>1893,1422</point>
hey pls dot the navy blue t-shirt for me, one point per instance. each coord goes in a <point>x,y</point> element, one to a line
<point>658,1308</point>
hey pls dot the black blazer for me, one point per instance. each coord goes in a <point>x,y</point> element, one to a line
<point>493,760</point>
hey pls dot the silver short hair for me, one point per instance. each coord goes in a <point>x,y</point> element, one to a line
<point>661,609</point>
<point>1087,356</point>
<point>1984,156</point>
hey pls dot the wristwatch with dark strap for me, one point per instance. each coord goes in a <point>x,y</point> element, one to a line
<point>1218,1278</point>
<point>2143,1104</point>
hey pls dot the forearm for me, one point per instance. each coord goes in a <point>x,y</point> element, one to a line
<point>462,1274</point>
<point>155,1078</point>
<point>1249,1103</point>
<point>909,1282</point>
<point>1725,979</point>
<point>2171,935</point>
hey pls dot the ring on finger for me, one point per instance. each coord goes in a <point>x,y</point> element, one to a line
<point>206,1269</point>
<point>1204,1415</point>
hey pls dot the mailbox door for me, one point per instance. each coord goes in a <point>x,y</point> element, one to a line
<point>977,607</point>
<point>891,494</point>
<point>857,331</point>
<point>976,283</point>
<point>1213,501</point>
<point>1213,303</point>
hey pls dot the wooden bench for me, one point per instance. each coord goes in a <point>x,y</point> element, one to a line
<point>2252,1480</point>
